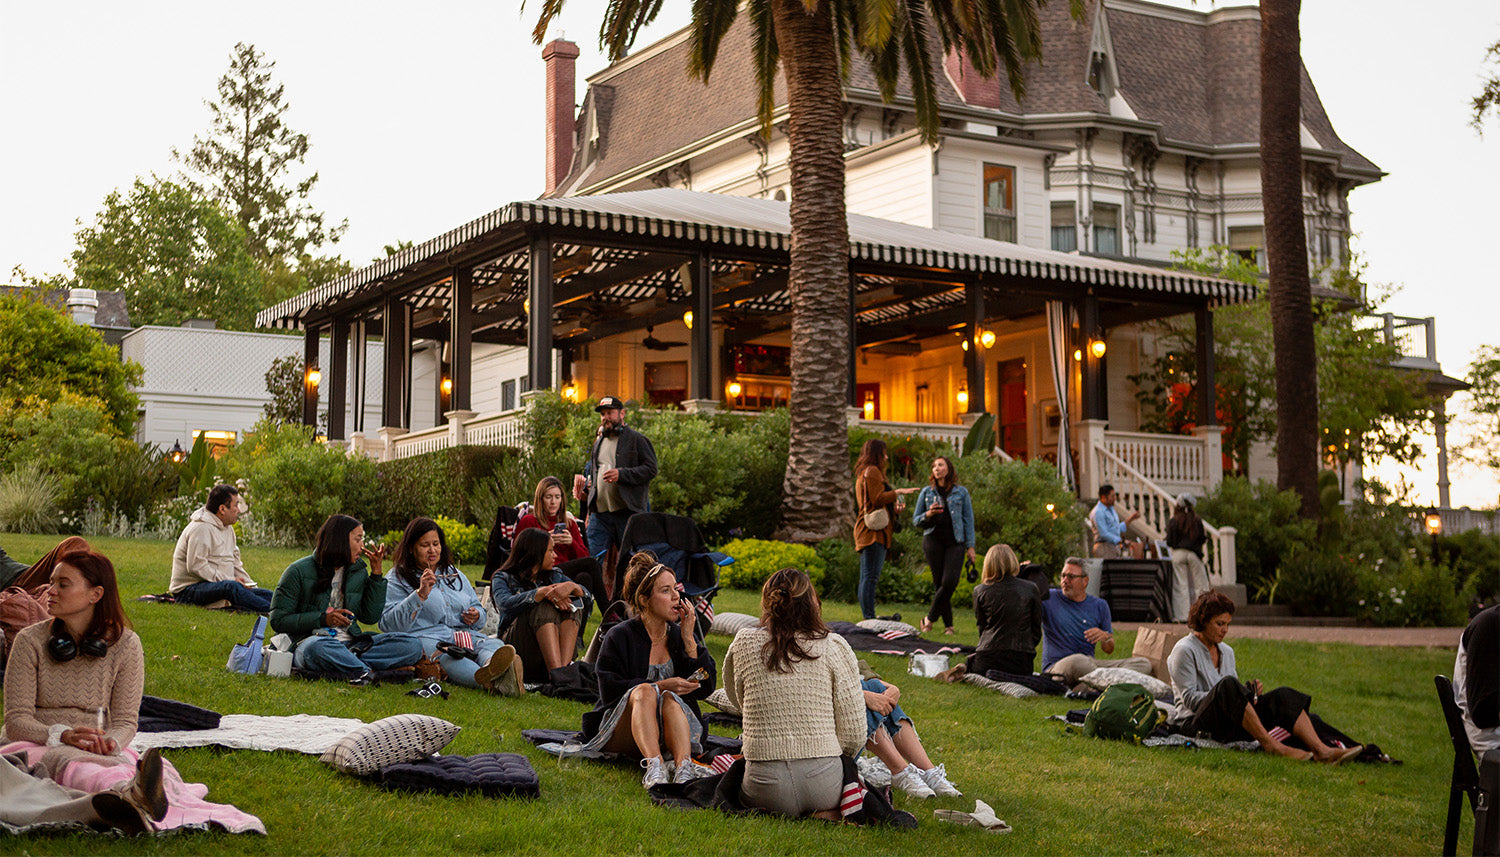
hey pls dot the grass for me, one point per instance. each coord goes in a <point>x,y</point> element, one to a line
<point>1064,794</point>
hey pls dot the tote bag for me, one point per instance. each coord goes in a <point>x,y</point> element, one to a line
<point>246,657</point>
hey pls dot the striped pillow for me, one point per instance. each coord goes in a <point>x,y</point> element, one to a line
<point>396,739</point>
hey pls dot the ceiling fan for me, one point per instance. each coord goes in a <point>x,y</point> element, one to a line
<point>655,344</point>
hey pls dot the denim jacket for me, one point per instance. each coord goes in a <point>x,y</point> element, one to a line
<point>960,508</point>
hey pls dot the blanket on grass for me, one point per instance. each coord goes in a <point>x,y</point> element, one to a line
<point>1164,737</point>
<point>301,733</point>
<point>187,807</point>
<point>859,805</point>
<point>893,642</point>
<point>554,741</point>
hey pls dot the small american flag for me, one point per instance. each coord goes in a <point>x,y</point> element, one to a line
<point>1278,734</point>
<point>463,638</point>
<point>723,762</point>
<point>894,634</point>
<point>853,799</point>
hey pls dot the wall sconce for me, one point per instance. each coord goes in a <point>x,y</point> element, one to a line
<point>687,319</point>
<point>526,306</point>
<point>570,392</point>
<point>314,376</point>
<point>1078,355</point>
<point>987,338</point>
<point>447,386</point>
<point>869,406</point>
<point>1097,348</point>
<point>177,455</point>
<point>734,389</point>
<point>963,395</point>
<point>964,345</point>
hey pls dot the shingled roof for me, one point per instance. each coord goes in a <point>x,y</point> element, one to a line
<point>1194,75</point>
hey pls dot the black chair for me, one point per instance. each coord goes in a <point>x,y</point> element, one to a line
<point>1465,776</point>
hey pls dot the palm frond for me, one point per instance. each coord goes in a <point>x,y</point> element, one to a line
<point>917,53</point>
<point>623,20</point>
<point>767,58</point>
<point>711,20</point>
<point>878,20</point>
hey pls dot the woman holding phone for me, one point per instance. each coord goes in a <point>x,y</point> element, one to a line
<point>653,668</point>
<point>542,612</point>
<point>569,553</point>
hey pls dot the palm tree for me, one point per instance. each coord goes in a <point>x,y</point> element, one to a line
<point>813,43</point>
<point>1286,251</point>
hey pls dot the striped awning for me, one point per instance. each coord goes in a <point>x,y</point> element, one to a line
<point>722,221</point>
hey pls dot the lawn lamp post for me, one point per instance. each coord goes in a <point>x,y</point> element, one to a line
<point>1434,524</point>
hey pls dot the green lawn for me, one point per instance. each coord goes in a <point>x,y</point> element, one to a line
<point>1064,794</point>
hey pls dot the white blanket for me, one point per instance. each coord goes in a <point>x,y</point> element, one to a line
<point>302,733</point>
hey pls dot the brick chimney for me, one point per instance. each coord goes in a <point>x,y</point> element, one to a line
<point>976,90</point>
<point>560,56</point>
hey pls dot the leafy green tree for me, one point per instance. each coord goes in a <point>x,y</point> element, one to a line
<point>813,42</point>
<point>174,253</point>
<point>1488,99</point>
<point>1368,408</point>
<point>248,156</point>
<point>284,383</point>
<point>44,354</point>
<point>1482,446</point>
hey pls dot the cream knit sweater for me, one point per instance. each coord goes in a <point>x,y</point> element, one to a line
<point>815,711</point>
<point>40,691</point>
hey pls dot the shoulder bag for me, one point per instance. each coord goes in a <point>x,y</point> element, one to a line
<point>875,519</point>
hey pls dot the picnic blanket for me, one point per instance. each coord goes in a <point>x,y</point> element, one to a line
<point>722,792</point>
<point>169,715</point>
<point>553,740</point>
<point>302,733</point>
<point>187,807</point>
<point>893,642</point>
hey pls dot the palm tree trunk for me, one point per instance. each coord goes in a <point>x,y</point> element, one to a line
<point>1286,251</point>
<point>817,489</point>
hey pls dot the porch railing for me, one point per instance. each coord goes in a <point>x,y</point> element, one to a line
<point>1172,462</point>
<point>506,428</point>
<point>1140,493</point>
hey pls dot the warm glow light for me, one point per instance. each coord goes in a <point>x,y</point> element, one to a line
<point>1078,355</point>
<point>1434,523</point>
<point>178,454</point>
<point>526,306</point>
<point>964,345</point>
<point>963,396</point>
<point>570,392</point>
<point>447,386</point>
<point>987,338</point>
<point>1097,348</point>
<point>1051,509</point>
<point>735,389</point>
<point>687,319</point>
<point>314,376</point>
<point>869,406</point>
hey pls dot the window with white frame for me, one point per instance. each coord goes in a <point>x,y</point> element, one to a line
<point>1106,229</point>
<point>1249,243</point>
<point>507,395</point>
<point>999,202</point>
<point>1064,227</point>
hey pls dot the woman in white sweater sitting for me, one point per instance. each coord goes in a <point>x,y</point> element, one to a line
<point>798,690</point>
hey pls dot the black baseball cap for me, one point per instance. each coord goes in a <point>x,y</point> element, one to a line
<point>609,403</point>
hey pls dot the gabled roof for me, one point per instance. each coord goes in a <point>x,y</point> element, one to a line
<point>1192,75</point>
<point>729,224</point>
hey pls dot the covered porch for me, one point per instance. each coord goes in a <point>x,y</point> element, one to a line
<point>682,298</point>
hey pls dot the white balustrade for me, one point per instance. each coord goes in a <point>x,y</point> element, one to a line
<point>424,441</point>
<point>1174,462</point>
<point>506,428</point>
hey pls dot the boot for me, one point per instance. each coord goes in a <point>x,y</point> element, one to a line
<point>498,664</point>
<point>119,813</point>
<point>146,790</point>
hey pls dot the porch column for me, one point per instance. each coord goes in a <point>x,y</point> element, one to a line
<point>1093,393</point>
<point>359,371</point>
<point>1208,406</point>
<point>974,357</point>
<point>338,380</point>
<point>539,319</point>
<point>851,399</point>
<point>309,387</point>
<point>461,338</point>
<point>701,392</point>
<point>395,402</point>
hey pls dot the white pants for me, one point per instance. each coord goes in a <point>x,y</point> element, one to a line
<point>1189,580</point>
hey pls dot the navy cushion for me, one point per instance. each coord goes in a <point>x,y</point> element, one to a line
<point>493,774</point>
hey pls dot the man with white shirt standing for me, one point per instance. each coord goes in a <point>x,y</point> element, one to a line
<point>206,564</point>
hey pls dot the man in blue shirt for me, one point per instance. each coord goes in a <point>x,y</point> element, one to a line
<point>1108,528</point>
<point>1073,621</point>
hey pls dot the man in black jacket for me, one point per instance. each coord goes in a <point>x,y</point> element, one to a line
<point>615,482</point>
<point>1476,680</point>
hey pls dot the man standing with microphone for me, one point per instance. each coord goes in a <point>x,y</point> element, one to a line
<point>616,479</point>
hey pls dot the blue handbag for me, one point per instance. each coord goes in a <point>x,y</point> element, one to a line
<point>246,657</point>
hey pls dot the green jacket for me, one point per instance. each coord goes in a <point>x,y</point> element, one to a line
<point>298,612</point>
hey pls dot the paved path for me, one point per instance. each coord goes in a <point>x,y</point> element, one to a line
<point>1446,638</point>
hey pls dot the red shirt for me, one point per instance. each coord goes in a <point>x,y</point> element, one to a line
<point>560,553</point>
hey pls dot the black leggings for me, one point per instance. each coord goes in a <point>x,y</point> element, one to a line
<point>1222,714</point>
<point>946,561</point>
<point>585,572</point>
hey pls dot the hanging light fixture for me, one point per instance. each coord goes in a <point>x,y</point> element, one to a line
<point>1097,348</point>
<point>963,395</point>
<point>177,455</point>
<point>1078,355</point>
<point>447,385</point>
<point>987,338</point>
<point>734,389</point>
<point>869,408</point>
<point>314,375</point>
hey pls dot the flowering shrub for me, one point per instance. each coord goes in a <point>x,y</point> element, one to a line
<point>757,559</point>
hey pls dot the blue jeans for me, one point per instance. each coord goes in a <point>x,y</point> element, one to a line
<point>242,597</point>
<point>871,561</point>
<point>606,529</point>
<point>874,720</point>
<point>324,654</point>
<point>461,670</point>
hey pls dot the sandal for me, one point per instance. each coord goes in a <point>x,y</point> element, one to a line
<point>949,631</point>
<point>982,817</point>
<point>926,625</point>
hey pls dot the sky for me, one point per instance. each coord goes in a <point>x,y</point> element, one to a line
<point>423,116</point>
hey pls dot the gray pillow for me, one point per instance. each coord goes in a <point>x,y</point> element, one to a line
<point>720,699</point>
<point>396,739</point>
<point>1103,677</point>
<point>880,626</point>
<point>730,624</point>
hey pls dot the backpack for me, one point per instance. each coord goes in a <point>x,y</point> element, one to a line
<point>1125,712</point>
<point>20,609</point>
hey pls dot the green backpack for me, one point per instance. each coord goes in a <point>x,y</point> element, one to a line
<point>1123,711</point>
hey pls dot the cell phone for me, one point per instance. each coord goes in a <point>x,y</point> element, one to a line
<point>560,527</point>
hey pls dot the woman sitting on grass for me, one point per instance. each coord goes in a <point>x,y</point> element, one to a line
<point>322,598</point>
<point>542,612</point>
<point>894,741</point>
<point>798,690</point>
<point>429,598</point>
<point>1211,700</point>
<point>72,701</point>
<point>569,554</point>
<point>1008,611</point>
<point>653,668</point>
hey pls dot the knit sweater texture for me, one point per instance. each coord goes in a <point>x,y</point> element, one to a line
<point>815,711</point>
<point>40,692</point>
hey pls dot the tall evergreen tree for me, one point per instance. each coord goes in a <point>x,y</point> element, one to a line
<point>248,157</point>
<point>813,43</point>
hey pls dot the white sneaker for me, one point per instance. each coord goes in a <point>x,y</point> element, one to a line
<point>688,769</point>
<point>656,772</point>
<point>937,780</point>
<point>910,781</point>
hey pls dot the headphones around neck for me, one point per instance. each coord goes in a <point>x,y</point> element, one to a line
<point>63,648</point>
